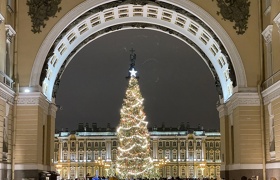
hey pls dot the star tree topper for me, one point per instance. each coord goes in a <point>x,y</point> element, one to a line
<point>133,73</point>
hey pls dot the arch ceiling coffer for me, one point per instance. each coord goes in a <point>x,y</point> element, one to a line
<point>108,17</point>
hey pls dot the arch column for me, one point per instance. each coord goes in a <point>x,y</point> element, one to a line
<point>241,136</point>
<point>35,121</point>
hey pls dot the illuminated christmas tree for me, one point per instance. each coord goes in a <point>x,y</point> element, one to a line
<point>133,158</point>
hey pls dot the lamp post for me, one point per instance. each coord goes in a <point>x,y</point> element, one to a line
<point>162,164</point>
<point>202,167</point>
<point>100,163</point>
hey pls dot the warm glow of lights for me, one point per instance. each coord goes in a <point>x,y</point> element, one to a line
<point>133,158</point>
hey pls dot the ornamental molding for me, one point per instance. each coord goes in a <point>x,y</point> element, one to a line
<point>235,11</point>
<point>267,34</point>
<point>1,18</point>
<point>40,11</point>
<point>10,32</point>
<point>33,99</point>
<point>7,94</point>
<point>79,12</point>
<point>271,93</point>
<point>242,99</point>
<point>277,21</point>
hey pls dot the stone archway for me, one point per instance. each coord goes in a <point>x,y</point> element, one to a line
<point>92,19</point>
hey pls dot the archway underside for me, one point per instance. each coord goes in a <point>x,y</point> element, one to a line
<point>119,15</point>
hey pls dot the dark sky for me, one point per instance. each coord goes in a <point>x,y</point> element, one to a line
<point>175,82</point>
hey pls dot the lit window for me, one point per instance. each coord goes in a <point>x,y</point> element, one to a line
<point>167,143</point>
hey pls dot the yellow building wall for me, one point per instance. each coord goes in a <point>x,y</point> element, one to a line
<point>247,44</point>
<point>251,59</point>
<point>28,51</point>
<point>29,135</point>
<point>247,135</point>
<point>276,111</point>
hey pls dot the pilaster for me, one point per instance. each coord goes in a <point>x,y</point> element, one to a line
<point>6,124</point>
<point>271,100</point>
<point>241,136</point>
<point>34,123</point>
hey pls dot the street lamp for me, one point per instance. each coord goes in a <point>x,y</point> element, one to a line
<point>100,163</point>
<point>202,167</point>
<point>162,164</point>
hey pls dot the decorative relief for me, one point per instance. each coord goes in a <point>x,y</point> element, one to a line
<point>34,99</point>
<point>243,99</point>
<point>10,32</point>
<point>267,34</point>
<point>40,11</point>
<point>237,11</point>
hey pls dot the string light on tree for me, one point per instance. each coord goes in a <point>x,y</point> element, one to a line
<point>133,158</point>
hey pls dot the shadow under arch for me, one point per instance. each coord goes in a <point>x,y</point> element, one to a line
<point>92,19</point>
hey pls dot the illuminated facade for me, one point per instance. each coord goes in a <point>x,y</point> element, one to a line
<point>238,41</point>
<point>175,152</point>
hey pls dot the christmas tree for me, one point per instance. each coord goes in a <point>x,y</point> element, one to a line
<point>133,158</point>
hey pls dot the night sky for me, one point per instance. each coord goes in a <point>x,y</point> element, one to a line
<point>175,82</point>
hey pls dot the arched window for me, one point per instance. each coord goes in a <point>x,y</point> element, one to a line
<point>167,154</point>
<point>190,143</point>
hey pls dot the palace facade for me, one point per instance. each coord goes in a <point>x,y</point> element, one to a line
<point>184,152</point>
<point>237,40</point>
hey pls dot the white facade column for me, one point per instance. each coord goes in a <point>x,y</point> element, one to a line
<point>203,150</point>
<point>85,150</point>
<point>108,149</point>
<point>194,149</point>
<point>60,150</point>
<point>155,149</point>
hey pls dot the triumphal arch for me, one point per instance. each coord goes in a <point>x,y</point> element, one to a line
<point>239,41</point>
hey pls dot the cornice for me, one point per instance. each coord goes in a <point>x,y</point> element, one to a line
<point>271,93</point>
<point>7,94</point>
<point>239,99</point>
<point>33,99</point>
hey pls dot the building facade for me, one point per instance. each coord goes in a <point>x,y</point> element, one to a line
<point>189,153</point>
<point>238,41</point>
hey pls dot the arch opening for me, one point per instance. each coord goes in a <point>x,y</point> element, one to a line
<point>173,19</point>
